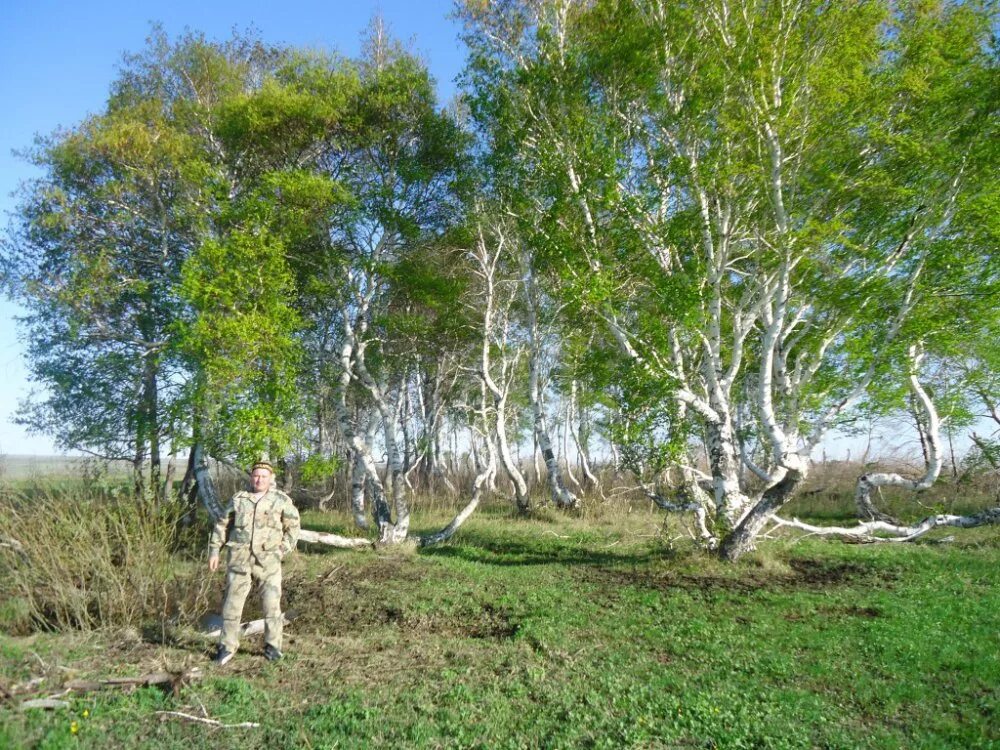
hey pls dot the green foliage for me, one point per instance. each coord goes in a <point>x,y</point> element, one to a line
<point>318,468</point>
<point>186,247</point>
<point>241,339</point>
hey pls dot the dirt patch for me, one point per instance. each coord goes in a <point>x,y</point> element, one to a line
<point>348,602</point>
<point>803,573</point>
<point>820,573</point>
<point>492,624</point>
<point>852,611</point>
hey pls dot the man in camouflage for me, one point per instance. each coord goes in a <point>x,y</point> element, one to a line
<point>259,527</point>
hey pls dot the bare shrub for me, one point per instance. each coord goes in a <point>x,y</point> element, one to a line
<point>91,559</point>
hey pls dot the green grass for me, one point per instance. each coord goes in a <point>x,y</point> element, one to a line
<point>569,632</point>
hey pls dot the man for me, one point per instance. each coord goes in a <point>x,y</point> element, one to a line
<point>259,527</point>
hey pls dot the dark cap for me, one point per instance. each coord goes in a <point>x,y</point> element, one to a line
<point>262,465</point>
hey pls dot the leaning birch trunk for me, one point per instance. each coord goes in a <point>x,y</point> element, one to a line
<point>741,539</point>
<point>361,450</point>
<point>207,492</point>
<point>582,449</point>
<point>565,447</point>
<point>448,531</point>
<point>933,459</point>
<point>478,487</point>
<point>521,498</point>
<point>493,318</point>
<point>561,496</point>
<point>484,452</point>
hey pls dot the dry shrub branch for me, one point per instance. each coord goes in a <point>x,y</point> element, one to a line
<point>88,559</point>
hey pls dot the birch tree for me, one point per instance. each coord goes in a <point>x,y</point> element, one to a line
<point>541,339</point>
<point>493,262</point>
<point>752,200</point>
<point>402,164</point>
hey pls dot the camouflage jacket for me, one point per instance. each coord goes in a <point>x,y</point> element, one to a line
<point>270,524</point>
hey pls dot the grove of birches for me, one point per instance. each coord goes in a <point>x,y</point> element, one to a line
<point>677,244</point>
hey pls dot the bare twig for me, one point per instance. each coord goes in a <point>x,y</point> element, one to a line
<point>209,722</point>
<point>329,576</point>
<point>172,680</point>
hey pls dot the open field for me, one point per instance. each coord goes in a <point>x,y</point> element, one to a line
<point>608,630</point>
<point>25,468</point>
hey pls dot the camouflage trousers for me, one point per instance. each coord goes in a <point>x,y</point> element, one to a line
<point>243,570</point>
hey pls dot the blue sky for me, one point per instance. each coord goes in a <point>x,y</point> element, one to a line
<point>57,61</point>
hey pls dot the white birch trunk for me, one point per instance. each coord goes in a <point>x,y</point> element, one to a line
<point>581,447</point>
<point>478,487</point>
<point>207,492</point>
<point>561,496</point>
<point>868,482</point>
<point>359,476</point>
<point>389,532</point>
<point>567,420</point>
<point>870,531</point>
<point>362,451</point>
<point>495,323</point>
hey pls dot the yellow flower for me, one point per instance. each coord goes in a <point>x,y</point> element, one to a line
<point>74,728</point>
<point>85,713</point>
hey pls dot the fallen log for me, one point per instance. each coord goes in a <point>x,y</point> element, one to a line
<point>333,540</point>
<point>873,532</point>
<point>46,703</point>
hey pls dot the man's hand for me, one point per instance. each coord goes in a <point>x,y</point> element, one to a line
<point>213,563</point>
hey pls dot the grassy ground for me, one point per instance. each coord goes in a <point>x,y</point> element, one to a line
<point>555,632</point>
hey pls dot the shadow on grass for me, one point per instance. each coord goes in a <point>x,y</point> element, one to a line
<point>696,571</point>
<point>487,549</point>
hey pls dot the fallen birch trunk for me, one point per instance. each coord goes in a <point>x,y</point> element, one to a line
<point>213,625</point>
<point>867,532</point>
<point>333,540</point>
<point>46,703</point>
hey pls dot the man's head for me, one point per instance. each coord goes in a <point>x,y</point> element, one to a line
<point>261,476</point>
